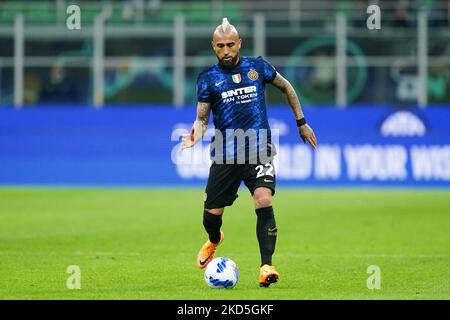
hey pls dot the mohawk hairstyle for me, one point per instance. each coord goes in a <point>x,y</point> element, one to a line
<point>226,27</point>
<point>225,24</point>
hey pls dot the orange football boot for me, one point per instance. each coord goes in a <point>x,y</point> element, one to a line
<point>267,275</point>
<point>206,253</point>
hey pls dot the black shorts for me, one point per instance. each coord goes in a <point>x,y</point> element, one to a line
<point>224,181</point>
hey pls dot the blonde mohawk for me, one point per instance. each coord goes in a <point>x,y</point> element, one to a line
<point>225,24</point>
<point>226,27</point>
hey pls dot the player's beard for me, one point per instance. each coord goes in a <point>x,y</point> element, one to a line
<point>229,64</point>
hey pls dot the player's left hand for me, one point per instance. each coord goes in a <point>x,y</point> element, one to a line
<point>307,134</point>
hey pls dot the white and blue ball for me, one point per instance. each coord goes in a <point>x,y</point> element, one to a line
<point>221,273</point>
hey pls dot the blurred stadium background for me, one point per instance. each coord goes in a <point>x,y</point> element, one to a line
<point>150,51</point>
<point>101,106</point>
<point>386,90</point>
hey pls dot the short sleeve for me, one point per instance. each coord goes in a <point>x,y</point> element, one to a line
<point>203,93</point>
<point>269,71</point>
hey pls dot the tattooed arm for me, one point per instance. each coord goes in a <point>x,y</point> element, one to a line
<point>199,127</point>
<point>305,131</point>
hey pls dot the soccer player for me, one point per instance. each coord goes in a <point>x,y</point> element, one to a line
<point>233,89</point>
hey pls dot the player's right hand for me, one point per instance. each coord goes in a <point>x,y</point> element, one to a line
<point>188,139</point>
<point>196,134</point>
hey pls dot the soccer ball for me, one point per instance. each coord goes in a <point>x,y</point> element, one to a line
<point>221,273</point>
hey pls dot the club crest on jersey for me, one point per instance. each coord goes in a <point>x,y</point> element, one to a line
<point>236,78</point>
<point>252,75</point>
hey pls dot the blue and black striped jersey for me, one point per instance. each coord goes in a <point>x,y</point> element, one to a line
<point>237,99</point>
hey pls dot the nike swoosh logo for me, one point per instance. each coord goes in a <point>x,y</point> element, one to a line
<point>218,83</point>
<point>204,261</point>
<point>272,230</point>
<point>265,180</point>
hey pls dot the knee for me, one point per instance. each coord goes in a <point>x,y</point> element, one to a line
<point>263,202</point>
<point>217,211</point>
<point>262,198</point>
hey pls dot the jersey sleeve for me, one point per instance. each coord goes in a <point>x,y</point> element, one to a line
<point>269,71</point>
<point>203,93</point>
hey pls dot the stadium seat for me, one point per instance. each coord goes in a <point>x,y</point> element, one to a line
<point>116,16</point>
<point>169,11</point>
<point>198,12</point>
<point>40,12</point>
<point>232,11</point>
<point>90,11</point>
<point>9,10</point>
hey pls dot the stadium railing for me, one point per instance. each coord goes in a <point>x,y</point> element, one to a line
<point>299,38</point>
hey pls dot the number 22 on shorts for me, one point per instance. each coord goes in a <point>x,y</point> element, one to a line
<point>264,170</point>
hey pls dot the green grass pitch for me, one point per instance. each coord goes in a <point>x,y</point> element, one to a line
<point>142,244</point>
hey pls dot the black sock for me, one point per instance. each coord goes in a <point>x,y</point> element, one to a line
<point>266,231</point>
<point>212,224</point>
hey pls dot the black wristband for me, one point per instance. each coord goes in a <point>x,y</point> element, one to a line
<point>301,122</point>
